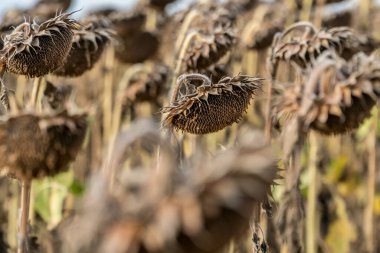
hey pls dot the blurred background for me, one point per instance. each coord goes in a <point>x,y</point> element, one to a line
<point>87,5</point>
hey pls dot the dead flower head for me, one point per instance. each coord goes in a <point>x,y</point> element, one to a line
<point>200,107</point>
<point>87,47</point>
<point>33,146</point>
<point>36,50</point>
<point>306,43</point>
<point>147,86</point>
<point>336,96</point>
<point>210,45</point>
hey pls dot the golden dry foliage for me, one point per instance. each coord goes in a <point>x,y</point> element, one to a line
<point>36,50</point>
<point>194,210</point>
<point>34,146</point>
<point>199,107</point>
<point>87,47</point>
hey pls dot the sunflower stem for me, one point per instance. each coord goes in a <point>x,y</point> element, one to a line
<point>311,219</point>
<point>371,187</point>
<point>22,244</point>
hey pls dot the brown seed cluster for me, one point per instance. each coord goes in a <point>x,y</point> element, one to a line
<point>34,146</point>
<point>200,107</point>
<point>87,47</point>
<point>36,50</point>
<point>336,96</point>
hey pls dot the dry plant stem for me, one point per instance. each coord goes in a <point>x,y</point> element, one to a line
<point>185,27</point>
<point>369,219</point>
<point>180,60</point>
<point>23,222</point>
<point>307,9</point>
<point>268,113</point>
<point>108,94</point>
<point>12,214</point>
<point>35,91</point>
<point>314,177</point>
<point>117,119</point>
<point>318,13</point>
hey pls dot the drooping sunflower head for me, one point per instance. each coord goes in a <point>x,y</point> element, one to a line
<point>35,49</point>
<point>87,47</point>
<point>200,107</point>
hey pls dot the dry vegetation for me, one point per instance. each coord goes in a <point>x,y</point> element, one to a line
<point>232,127</point>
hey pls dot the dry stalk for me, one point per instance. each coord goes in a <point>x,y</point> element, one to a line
<point>369,218</point>
<point>314,179</point>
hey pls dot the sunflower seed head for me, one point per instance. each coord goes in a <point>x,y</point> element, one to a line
<point>304,48</point>
<point>201,107</point>
<point>36,50</point>
<point>88,45</point>
<point>335,98</point>
<point>147,86</point>
<point>34,146</point>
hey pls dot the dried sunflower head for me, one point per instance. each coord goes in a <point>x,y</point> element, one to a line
<point>49,8</point>
<point>200,107</point>
<point>210,44</point>
<point>306,43</point>
<point>127,23</point>
<point>336,97</point>
<point>160,4</point>
<point>87,47</point>
<point>147,86</point>
<point>36,50</point>
<point>33,146</point>
<point>137,48</point>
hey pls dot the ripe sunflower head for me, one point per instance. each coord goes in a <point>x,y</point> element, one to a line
<point>87,47</point>
<point>36,50</point>
<point>201,107</point>
<point>33,146</point>
<point>336,96</point>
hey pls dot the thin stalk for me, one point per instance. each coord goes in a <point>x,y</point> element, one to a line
<point>108,95</point>
<point>22,244</point>
<point>268,109</point>
<point>369,218</point>
<point>311,216</point>
<point>34,95</point>
<point>12,214</point>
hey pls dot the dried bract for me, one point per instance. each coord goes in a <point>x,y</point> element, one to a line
<point>36,50</point>
<point>34,146</point>
<point>200,107</point>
